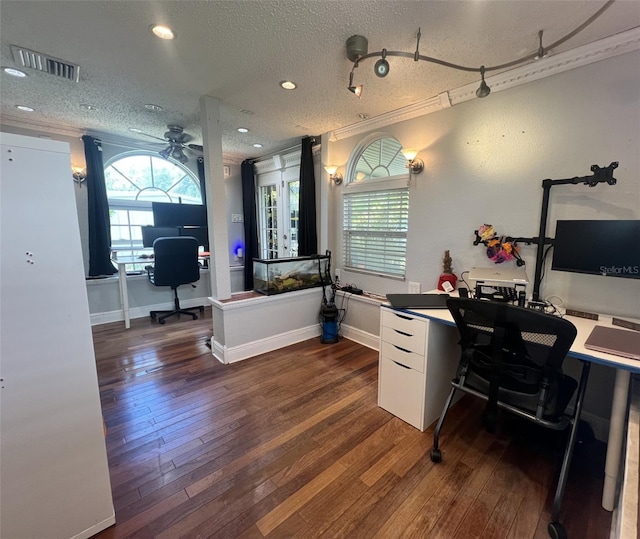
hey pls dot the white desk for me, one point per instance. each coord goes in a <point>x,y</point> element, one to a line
<point>123,262</point>
<point>624,367</point>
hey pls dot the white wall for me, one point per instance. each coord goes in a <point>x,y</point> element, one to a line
<point>485,160</point>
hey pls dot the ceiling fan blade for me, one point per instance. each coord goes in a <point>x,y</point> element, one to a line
<point>195,147</point>
<point>152,136</point>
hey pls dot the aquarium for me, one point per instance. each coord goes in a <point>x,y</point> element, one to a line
<point>288,274</point>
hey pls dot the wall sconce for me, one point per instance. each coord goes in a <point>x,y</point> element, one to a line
<point>79,174</point>
<point>415,165</point>
<point>334,176</point>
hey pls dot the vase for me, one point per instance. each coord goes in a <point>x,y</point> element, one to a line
<point>447,278</point>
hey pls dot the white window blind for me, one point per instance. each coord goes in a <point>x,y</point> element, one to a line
<point>375,230</point>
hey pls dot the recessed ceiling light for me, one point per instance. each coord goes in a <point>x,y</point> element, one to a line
<point>86,106</point>
<point>135,130</point>
<point>257,145</point>
<point>24,108</point>
<point>154,108</point>
<point>288,85</point>
<point>162,31</point>
<point>243,130</point>
<point>14,72</point>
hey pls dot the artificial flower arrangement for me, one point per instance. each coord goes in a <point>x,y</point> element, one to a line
<point>499,248</point>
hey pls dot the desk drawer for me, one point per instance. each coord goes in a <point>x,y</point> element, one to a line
<point>405,357</point>
<point>412,342</point>
<point>403,323</point>
<point>401,392</point>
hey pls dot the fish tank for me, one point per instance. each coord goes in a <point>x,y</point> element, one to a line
<point>288,274</point>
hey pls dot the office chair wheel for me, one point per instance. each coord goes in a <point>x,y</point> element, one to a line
<point>436,455</point>
<point>201,309</point>
<point>153,316</point>
<point>161,321</point>
<point>556,530</point>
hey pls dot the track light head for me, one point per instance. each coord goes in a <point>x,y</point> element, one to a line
<point>483,90</point>
<point>382,66</point>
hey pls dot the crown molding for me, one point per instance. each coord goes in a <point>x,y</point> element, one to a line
<point>609,47</point>
<point>21,123</point>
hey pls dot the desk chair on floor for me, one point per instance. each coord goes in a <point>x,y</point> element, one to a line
<point>175,263</point>
<point>512,358</point>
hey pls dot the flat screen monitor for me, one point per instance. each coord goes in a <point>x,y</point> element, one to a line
<point>610,248</point>
<point>168,214</point>
<point>198,232</point>
<point>151,233</point>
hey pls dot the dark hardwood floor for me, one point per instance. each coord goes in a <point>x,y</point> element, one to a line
<point>292,444</point>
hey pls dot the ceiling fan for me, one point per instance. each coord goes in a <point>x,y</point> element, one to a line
<point>177,140</point>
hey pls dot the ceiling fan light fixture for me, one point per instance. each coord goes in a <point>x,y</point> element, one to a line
<point>166,153</point>
<point>163,31</point>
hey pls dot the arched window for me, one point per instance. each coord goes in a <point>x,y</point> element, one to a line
<point>136,179</point>
<point>376,208</point>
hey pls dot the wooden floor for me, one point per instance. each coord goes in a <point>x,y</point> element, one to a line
<point>292,444</point>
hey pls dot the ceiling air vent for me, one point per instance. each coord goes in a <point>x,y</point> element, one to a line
<point>43,62</point>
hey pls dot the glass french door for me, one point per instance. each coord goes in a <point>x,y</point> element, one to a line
<point>278,209</point>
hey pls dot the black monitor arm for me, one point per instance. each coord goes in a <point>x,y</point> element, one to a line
<point>600,175</point>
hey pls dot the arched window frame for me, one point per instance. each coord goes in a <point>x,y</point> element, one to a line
<point>376,213</point>
<point>128,215</point>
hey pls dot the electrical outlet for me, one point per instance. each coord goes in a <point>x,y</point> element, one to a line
<point>414,288</point>
<point>236,218</point>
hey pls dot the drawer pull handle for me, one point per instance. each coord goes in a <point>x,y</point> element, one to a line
<point>401,365</point>
<point>403,333</point>
<point>403,317</point>
<point>402,349</point>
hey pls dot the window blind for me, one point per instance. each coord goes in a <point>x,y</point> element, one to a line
<point>375,231</point>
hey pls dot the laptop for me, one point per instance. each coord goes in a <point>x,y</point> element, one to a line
<point>499,275</point>
<point>418,301</point>
<point>619,342</point>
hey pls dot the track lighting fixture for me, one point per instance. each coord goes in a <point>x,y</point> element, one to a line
<point>357,48</point>
<point>355,89</point>
<point>483,90</point>
<point>382,66</point>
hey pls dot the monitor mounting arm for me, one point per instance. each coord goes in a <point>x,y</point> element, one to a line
<point>600,175</point>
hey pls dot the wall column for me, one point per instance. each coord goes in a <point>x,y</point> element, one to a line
<point>216,198</point>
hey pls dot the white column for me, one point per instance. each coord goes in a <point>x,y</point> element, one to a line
<point>216,198</point>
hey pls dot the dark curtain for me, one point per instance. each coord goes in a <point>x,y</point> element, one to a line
<point>307,236</point>
<point>250,221</point>
<point>98,210</point>
<point>201,177</point>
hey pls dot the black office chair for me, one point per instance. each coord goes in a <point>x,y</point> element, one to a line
<point>175,263</point>
<point>512,358</point>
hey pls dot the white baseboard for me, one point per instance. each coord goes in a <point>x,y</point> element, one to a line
<point>143,311</point>
<point>228,355</point>
<point>361,337</point>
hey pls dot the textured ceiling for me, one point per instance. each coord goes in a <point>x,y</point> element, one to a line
<point>238,51</point>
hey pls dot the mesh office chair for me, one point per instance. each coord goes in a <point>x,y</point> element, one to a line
<point>512,358</point>
<point>175,263</point>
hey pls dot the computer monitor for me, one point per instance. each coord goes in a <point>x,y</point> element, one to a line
<point>168,214</point>
<point>200,233</point>
<point>151,233</point>
<point>599,247</point>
